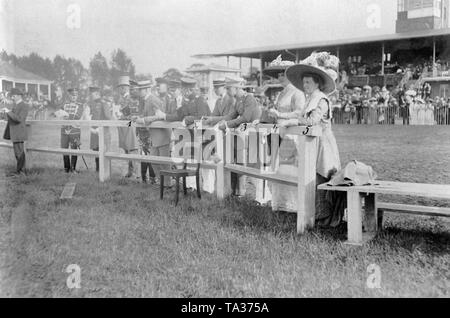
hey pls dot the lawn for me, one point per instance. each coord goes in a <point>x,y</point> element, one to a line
<point>128,243</point>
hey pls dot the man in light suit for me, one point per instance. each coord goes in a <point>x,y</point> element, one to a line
<point>16,127</point>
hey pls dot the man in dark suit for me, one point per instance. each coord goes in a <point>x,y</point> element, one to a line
<point>225,105</point>
<point>16,128</point>
<point>99,110</point>
<point>246,110</point>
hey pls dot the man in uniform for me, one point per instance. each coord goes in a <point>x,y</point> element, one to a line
<point>194,107</point>
<point>99,110</point>
<point>129,107</point>
<point>16,130</point>
<point>71,136</point>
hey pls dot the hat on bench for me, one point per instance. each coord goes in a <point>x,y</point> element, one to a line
<point>355,173</point>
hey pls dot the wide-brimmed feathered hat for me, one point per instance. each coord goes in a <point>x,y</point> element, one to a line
<point>277,66</point>
<point>322,64</point>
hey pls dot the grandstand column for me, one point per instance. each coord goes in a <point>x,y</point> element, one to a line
<point>228,61</point>
<point>338,51</point>
<point>240,66</point>
<point>434,58</point>
<point>262,68</point>
<point>297,56</point>
<point>383,49</point>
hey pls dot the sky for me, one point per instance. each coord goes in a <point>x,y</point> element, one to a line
<point>159,34</point>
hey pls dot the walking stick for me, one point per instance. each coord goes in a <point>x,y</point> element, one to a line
<point>82,157</point>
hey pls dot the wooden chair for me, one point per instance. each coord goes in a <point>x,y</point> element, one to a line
<point>183,173</point>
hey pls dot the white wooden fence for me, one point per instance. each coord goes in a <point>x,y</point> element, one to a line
<point>224,149</point>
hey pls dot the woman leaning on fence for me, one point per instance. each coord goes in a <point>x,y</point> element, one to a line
<point>289,104</point>
<point>316,77</point>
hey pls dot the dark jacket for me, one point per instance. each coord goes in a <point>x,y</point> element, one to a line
<point>247,111</point>
<point>224,106</point>
<point>16,129</point>
<point>193,109</point>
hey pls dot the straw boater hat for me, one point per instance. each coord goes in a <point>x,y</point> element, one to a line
<point>144,84</point>
<point>219,83</point>
<point>322,64</point>
<point>277,66</point>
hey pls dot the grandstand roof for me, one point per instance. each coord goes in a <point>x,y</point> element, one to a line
<point>254,52</point>
<point>212,67</point>
<point>13,72</point>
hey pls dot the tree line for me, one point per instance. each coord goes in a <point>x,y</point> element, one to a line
<point>70,72</point>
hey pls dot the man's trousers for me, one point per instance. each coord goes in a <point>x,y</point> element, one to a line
<point>19,153</point>
<point>71,141</point>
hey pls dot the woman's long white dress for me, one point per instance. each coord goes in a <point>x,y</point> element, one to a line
<point>290,104</point>
<point>429,115</point>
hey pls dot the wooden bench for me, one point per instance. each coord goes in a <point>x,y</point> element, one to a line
<point>374,210</point>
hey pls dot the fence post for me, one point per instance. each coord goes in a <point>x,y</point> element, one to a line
<point>223,178</point>
<point>306,211</point>
<point>104,163</point>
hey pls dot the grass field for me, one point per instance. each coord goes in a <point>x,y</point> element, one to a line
<point>129,243</point>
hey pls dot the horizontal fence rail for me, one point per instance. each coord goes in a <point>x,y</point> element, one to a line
<point>243,151</point>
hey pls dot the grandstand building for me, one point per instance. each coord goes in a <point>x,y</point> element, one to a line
<point>418,48</point>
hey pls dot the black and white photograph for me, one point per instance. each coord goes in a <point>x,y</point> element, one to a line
<point>225,153</point>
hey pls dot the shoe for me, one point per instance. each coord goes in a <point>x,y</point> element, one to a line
<point>128,175</point>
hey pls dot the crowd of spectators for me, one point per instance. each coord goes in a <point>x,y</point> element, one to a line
<point>375,105</point>
<point>355,65</point>
<point>38,105</point>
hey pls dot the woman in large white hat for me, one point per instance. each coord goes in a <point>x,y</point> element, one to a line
<point>316,77</point>
<point>289,104</point>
